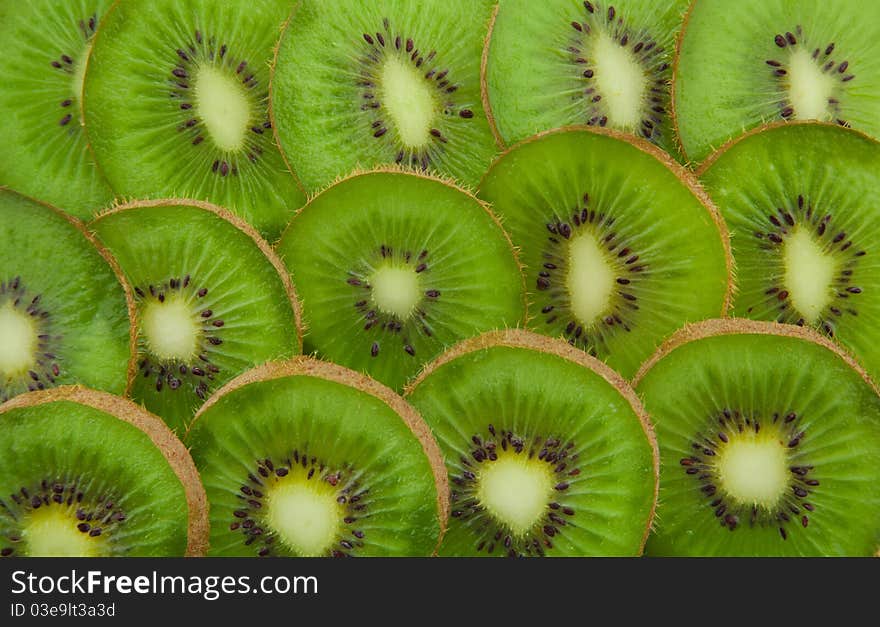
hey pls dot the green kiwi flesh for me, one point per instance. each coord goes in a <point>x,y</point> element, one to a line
<point>549,452</point>
<point>756,61</point>
<point>212,300</point>
<point>621,246</point>
<point>802,230</point>
<point>562,62</point>
<point>45,47</point>
<point>87,474</point>
<point>770,444</point>
<point>176,105</point>
<point>305,458</point>
<point>363,84</point>
<point>392,267</point>
<point>64,313</point>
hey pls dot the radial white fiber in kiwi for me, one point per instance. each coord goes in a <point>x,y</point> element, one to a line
<point>212,300</point>
<point>393,267</point>
<point>176,105</point>
<point>362,84</point>
<point>770,444</point>
<point>306,458</point>
<point>549,452</point>
<point>620,244</point>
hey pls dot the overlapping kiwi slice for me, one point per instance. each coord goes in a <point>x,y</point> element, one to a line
<point>65,315</point>
<point>381,82</point>
<point>770,444</point>
<point>212,300</point>
<point>803,229</point>
<point>549,452</point>
<point>45,46</point>
<point>176,105</point>
<point>393,267</point>
<point>306,458</point>
<point>605,63</point>
<point>87,474</point>
<point>620,244</point>
<point>756,61</point>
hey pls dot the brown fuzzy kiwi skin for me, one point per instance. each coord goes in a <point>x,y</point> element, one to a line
<point>171,447</point>
<point>305,366</point>
<point>685,176</point>
<point>437,178</point>
<point>743,326</point>
<point>131,306</point>
<point>516,338</point>
<point>242,226</point>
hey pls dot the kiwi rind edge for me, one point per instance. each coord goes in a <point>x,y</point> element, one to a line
<point>676,136</point>
<point>242,226</point>
<point>438,178</point>
<point>310,366</point>
<point>131,305</point>
<point>517,338</point>
<point>152,426</point>
<point>684,175</point>
<point>744,326</point>
<point>484,82</point>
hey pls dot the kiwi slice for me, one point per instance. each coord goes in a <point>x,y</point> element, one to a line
<point>393,267</point>
<point>176,104</point>
<point>362,84</point>
<point>65,312</point>
<point>802,230</point>
<point>781,60</point>
<point>212,300</point>
<point>600,63</point>
<point>769,437</point>
<point>88,474</point>
<point>621,245</point>
<point>306,458</point>
<point>45,46</point>
<point>549,452</point>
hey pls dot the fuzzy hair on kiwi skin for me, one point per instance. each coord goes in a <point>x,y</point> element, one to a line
<point>172,448</point>
<point>242,226</point>
<point>743,326</point>
<point>313,367</point>
<point>429,176</point>
<point>130,302</point>
<point>685,176</point>
<point>516,338</point>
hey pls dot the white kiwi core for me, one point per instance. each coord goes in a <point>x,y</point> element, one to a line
<point>622,82</point>
<point>18,341</point>
<point>223,107</point>
<point>809,88</point>
<point>753,470</point>
<point>170,329</point>
<point>396,290</point>
<point>409,102</point>
<point>590,279</point>
<point>515,490</point>
<point>50,531</point>
<point>305,514</point>
<point>809,274</point>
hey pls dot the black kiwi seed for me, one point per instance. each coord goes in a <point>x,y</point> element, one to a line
<point>388,327</point>
<point>47,367</point>
<point>378,47</point>
<point>98,515</point>
<point>351,494</point>
<point>780,225</point>
<point>551,285</point>
<point>203,50</point>
<point>555,452</point>
<point>174,375</point>
<point>793,508</point>
<point>643,47</point>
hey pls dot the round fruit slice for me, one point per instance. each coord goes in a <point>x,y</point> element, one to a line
<point>393,267</point>
<point>212,300</point>
<point>804,60</point>
<point>305,458</point>
<point>549,452</point>
<point>45,46</point>
<point>362,84</point>
<point>176,104</point>
<point>87,474</point>
<point>65,315</point>
<point>602,63</point>
<point>802,231</point>
<point>770,442</point>
<point>620,244</point>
